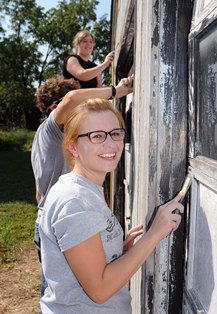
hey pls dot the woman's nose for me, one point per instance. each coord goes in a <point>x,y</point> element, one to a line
<point>109,140</point>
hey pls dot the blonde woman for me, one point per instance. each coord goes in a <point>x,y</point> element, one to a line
<point>85,260</point>
<point>80,67</point>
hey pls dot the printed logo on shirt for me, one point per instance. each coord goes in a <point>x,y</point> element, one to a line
<point>113,228</point>
<point>111,223</point>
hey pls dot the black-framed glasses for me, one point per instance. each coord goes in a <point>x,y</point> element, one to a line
<point>98,137</point>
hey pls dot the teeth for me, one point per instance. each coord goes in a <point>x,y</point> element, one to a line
<point>107,155</point>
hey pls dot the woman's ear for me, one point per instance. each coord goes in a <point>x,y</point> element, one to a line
<point>71,147</point>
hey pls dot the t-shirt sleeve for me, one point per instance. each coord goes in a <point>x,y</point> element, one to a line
<point>75,225</point>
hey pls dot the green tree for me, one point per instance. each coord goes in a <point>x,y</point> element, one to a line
<point>18,71</point>
<point>22,66</point>
<point>19,60</point>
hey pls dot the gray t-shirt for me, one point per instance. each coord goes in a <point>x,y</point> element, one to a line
<point>75,210</point>
<point>47,157</point>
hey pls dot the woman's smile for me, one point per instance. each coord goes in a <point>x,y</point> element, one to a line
<point>108,156</point>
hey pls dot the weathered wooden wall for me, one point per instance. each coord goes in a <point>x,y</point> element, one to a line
<point>156,153</point>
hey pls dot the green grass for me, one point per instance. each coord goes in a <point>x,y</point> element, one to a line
<point>17,201</point>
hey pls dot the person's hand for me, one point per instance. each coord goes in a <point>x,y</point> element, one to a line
<point>131,236</point>
<point>109,58</point>
<point>165,220</point>
<point>125,86</point>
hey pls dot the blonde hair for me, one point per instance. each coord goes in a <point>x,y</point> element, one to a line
<point>78,116</point>
<point>80,36</point>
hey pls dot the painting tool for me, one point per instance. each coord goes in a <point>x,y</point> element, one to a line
<point>186,185</point>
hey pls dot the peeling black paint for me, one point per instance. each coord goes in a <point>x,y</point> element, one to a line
<point>169,31</point>
<point>168,90</point>
<point>150,296</point>
<point>155,37</point>
<point>125,59</point>
<point>166,167</point>
<point>205,23</point>
<point>176,276</point>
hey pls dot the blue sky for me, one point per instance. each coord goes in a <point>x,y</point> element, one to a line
<point>102,8</point>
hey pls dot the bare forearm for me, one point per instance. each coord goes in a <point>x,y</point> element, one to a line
<point>86,74</point>
<point>80,95</point>
<point>37,194</point>
<point>118,273</point>
<point>99,81</point>
<point>100,280</point>
<point>89,74</point>
<point>73,98</point>
<point>103,92</point>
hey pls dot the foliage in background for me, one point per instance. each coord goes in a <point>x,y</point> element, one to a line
<point>16,140</point>
<point>17,197</point>
<point>23,67</point>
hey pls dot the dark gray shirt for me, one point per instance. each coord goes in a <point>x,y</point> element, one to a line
<point>47,157</point>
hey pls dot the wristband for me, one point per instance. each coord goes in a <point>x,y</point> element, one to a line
<point>113,92</point>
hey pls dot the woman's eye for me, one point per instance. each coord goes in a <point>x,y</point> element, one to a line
<point>116,134</point>
<point>97,136</point>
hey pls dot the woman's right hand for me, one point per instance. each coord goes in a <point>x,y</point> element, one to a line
<point>109,58</point>
<point>125,86</point>
<point>166,220</point>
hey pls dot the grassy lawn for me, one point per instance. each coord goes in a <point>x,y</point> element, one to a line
<point>17,196</point>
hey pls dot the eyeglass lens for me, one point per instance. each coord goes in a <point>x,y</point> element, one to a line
<point>100,136</point>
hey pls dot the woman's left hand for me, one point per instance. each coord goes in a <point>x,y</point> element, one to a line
<point>131,236</point>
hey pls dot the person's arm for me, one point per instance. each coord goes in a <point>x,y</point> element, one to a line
<point>73,67</point>
<point>99,81</point>
<point>37,193</point>
<point>73,98</point>
<point>100,280</point>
